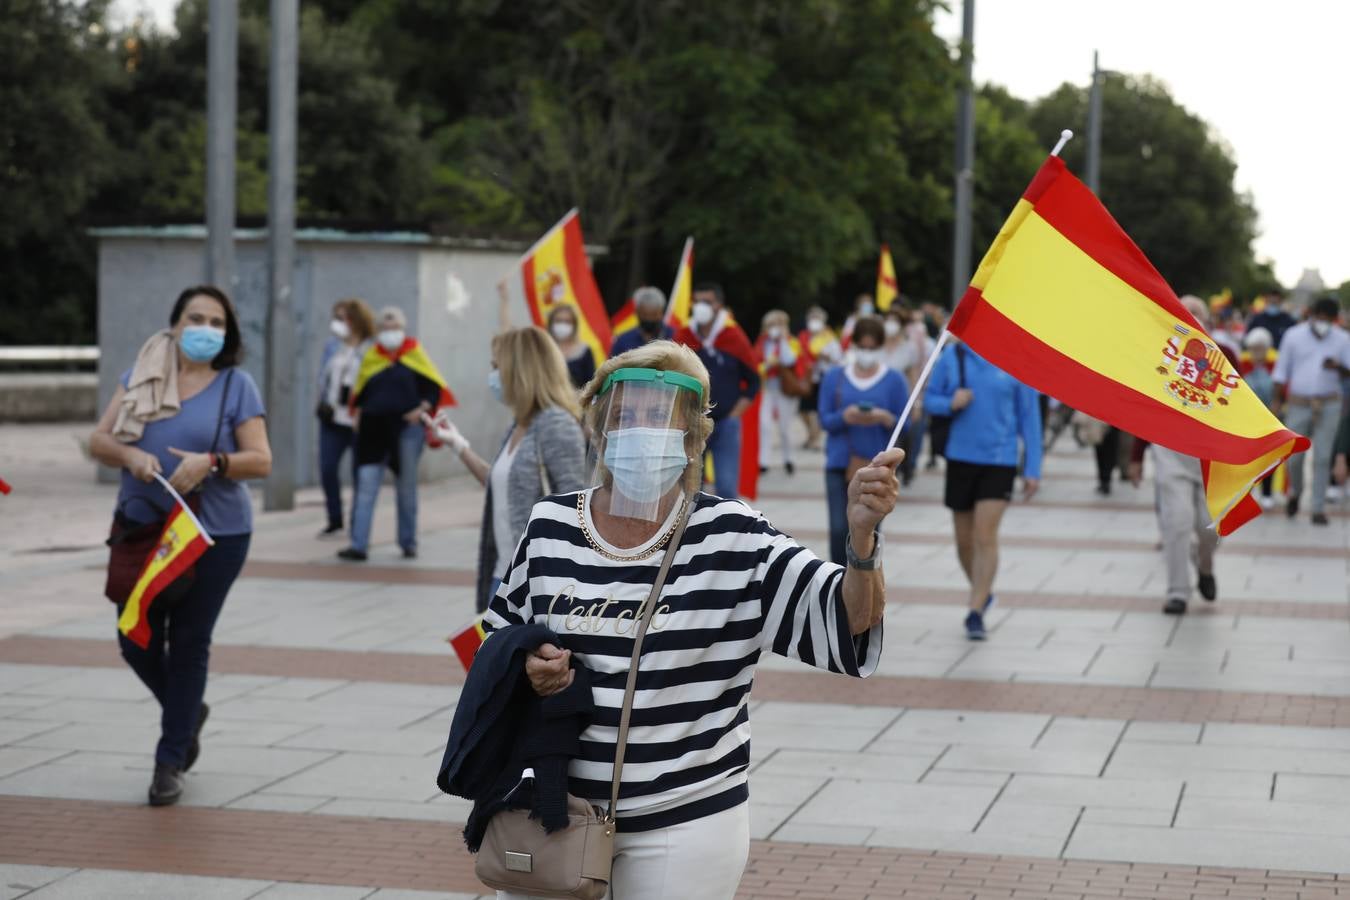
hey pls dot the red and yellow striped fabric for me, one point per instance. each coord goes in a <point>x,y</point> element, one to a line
<point>467,642</point>
<point>181,543</point>
<point>1065,302</point>
<point>682,294</point>
<point>556,272</point>
<point>887,287</point>
<point>624,319</point>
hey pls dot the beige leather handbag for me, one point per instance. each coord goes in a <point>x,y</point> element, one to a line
<point>518,856</point>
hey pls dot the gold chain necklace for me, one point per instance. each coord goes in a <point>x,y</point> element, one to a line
<point>645,554</point>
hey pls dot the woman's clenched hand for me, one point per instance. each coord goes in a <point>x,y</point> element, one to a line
<point>549,669</point>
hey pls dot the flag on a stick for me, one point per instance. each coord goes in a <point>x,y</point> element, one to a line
<point>1065,302</point>
<point>181,543</point>
<point>467,642</point>
<point>887,287</point>
<point>555,272</point>
<point>681,302</point>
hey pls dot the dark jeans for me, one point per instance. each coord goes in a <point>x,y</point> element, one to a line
<point>1108,457</point>
<point>335,440</point>
<point>836,495</point>
<point>174,665</point>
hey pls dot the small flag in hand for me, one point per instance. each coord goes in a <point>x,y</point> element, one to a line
<point>467,642</point>
<point>181,543</point>
<point>4,486</point>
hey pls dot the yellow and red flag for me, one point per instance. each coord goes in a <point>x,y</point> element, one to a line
<point>556,272</point>
<point>467,642</point>
<point>412,355</point>
<point>887,287</point>
<point>1065,302</point>
<point>681,302</point>
<point>4,486</point>
<point>624,320</point>
<point>181,543</point>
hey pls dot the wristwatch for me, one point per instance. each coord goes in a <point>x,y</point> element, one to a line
<point>863,565</point>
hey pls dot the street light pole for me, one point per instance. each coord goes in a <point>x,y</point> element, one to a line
<point>1094,129</point>
<point>965,157</point>
<point>279,492</point>
<point>222,54</point>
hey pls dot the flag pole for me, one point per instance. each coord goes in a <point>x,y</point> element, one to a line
<point>164,482</point>
<point>1064,137</point>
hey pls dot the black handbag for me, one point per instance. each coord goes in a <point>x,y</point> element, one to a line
<point>130,543</point>
<point>940,427</point>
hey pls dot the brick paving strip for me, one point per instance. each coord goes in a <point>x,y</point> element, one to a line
<point>419,855</point>
<point>1095,701</point>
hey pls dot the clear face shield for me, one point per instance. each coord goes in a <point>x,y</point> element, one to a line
<point>640,452</point>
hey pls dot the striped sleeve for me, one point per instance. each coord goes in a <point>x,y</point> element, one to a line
<point>804,618</point>
<point>511,605</point>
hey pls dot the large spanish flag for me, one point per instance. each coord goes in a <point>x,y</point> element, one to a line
<point>1065,302</point>
<point>887,287</point>
<point>682,294</point>
<point>555,271</point>
<point>181,543</point>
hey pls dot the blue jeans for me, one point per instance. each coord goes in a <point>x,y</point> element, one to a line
<point>836,495</point>
<point>368,478</point>
<point>334,440</point>
<point>176,675</point>
<point>725,446</point>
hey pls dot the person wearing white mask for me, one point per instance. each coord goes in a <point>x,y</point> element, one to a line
<point>738,589</point>
<point>784,382</point>
<point>1314,356</point>
<point>860,403</point>
<point>562,325</point>
<point>733,373</point>
<point>352,328</point>
<point>543,452</point>
<point>395,386</point>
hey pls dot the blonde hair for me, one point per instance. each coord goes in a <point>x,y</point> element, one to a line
<point>534,373</point>
<point>359,317</point>
<point>667,356</point>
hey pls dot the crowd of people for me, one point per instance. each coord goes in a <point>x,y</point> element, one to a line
<point>588,494</point>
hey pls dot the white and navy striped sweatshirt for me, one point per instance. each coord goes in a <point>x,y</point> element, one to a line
<point>737,588</point>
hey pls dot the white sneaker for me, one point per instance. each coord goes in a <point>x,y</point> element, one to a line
<point>1267,503</point>
<point>1333,494</point>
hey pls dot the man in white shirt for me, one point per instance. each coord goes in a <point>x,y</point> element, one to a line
<point>1314,355</point>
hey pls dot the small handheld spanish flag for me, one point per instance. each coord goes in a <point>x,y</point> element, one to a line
<point>4,486</point>
<point>181,543</point>
<point>467,642</point>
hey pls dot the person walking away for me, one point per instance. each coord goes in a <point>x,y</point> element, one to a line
<point>783,385</point>
<point>860,402</point>
<point>562,324</point>
<point>1314,355</point>
<point>1255,365</point>
<point>738,589</point>
<point>352,328</point>
<point>821,352</point>
<point>989,416</point>
<point>733,371</point>
<point>543,452</point>
<point>649,303</point>
<point>397,383</point>
<point>1273,317</point>
<point>186,408</point>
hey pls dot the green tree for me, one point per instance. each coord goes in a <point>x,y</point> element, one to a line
<point>54,153</point>
<point>1165,177</point>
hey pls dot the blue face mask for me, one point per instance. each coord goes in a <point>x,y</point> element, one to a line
<point>495,385</point>
<point>202,343</point>
<point>645,462</point>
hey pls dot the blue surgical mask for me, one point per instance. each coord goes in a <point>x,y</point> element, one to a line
<point>495,385</point>
<point>645,462</point>
<point>202,343</point>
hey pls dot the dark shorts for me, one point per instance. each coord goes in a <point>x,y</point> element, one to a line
<point>969,483</point>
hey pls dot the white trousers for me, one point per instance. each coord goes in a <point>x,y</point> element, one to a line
<point>701,859</point>
<point>1183,518</point>
<point>776,412</point>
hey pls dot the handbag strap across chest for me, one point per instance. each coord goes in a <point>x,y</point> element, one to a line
<point>626,715</point>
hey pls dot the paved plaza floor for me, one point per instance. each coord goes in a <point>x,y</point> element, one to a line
<point>1091,748</point>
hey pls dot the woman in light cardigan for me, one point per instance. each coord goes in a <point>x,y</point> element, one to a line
<point>543,453</point>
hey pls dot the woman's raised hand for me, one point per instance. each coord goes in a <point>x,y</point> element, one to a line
<point>873,492</point>
<point>549,669</point>
<point>446,432</point>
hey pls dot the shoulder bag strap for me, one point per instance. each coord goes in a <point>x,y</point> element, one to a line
<point>624,717</point>
<point>220,414</point>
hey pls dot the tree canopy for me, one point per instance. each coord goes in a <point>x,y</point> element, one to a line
<point>790,137</point>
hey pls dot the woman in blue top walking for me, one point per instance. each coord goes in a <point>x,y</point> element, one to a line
<point>990,410</point>
<point>859,404</point>
<point>185,409</point>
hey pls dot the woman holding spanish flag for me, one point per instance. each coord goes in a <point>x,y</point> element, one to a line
<point>396,385</point>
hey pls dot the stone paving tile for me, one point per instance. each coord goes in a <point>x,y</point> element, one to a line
<point>105,885</point>
<point>18,880</point>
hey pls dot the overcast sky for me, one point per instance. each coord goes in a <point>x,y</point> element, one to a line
<point>1270,78</point>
